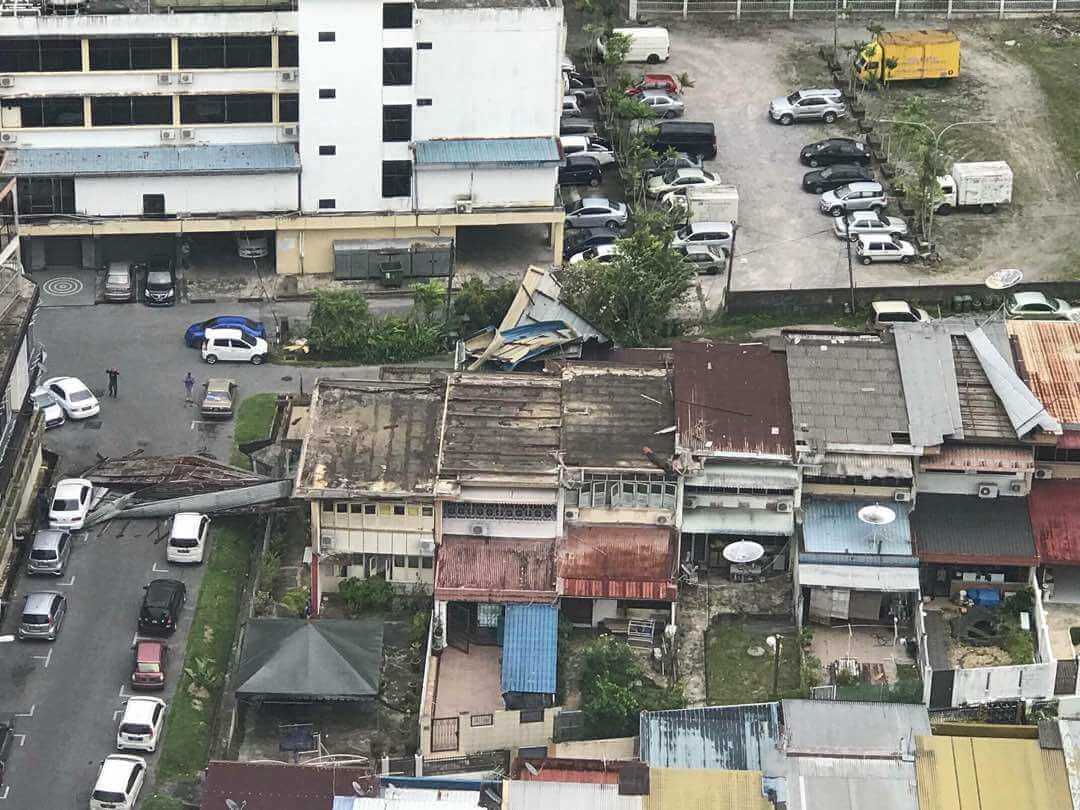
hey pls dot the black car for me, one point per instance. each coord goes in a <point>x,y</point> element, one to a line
<point>585,238</point>
<point>835,150</point>
<point>835,176</point>
<point>7,738</point>
<point>655,167</point>
<point>575,125</point>
<point>580,170</point>
<point>161,606</point>
<point>581,86</point>
<point>159,289</point>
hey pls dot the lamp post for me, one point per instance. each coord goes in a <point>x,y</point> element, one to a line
<point>937,141</point>
<point>775,642</point>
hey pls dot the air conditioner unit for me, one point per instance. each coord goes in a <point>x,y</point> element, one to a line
<point>187,134</point>
<point>902,496</point>
<point>783,506</point>
<point>186,78</point>
<point>8,137</point>
<point>427,546</point>
<point>7,81</point>
<point>291,131</point>
<point>164,78</point>
<point>1016,486</point>
<point>570,514</point>
<point>689,503</point>
<point>326,542</point>
<point>464,204</point>
<point>290,75</point>
<point>1043,474</point>
<point>988,490</point>
<point>662,520</point>
<point>168,135</point>
<point>478,530</point>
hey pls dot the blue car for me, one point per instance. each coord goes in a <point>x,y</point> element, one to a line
<point>195,333</point>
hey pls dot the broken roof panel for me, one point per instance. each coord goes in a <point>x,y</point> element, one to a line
<point>1026,412</point>
<point>732,738</point>
<point>617,562</point>
<point>1054,508</point>
<point>981,412</point>
<point>495,569</point>
<point>924,352</point>
<point>1050,362</point>
<point>371,437</point>
<point>732,399</point>
<point>610,412</point>
<point>967,529</point>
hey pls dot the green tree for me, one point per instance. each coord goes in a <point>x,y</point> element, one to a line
<point>631,298</point>
<point>370,595</point>
<point>615,689</point>
<point>918,150</point>
<point>477,305</point>
<point>340,323</point>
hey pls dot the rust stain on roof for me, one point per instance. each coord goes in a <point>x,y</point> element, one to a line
<point>562,769</point>
<point>980,458</point>
<point>1050,364</point>
<point>1055,520</point>
<point>617,562</point>
<point>495,569</point>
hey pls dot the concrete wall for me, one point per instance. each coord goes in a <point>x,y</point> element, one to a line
<point>506,732</point>
<point>948,483</point>
<point>123,195</point>
<point>120,25</point>
<point>437,189</point>
<point>312,250</point>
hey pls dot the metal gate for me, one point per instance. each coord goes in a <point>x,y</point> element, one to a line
<point>1065,680</point>
<point>941,688</point>
<point>444,734</point>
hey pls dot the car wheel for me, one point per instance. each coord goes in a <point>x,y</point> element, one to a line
<point>819,189</point>
<point>787,119</point>
<point>211,359</point>
<point>828,117</point>
<point>257,360</point>
<point>945,209</point>
<point>867,260</point>
<point>594,182</point>
<point>813,163</point>
<point>836,211</point>
<point>987,208</point>
<point>905,260</point>
<point>611,224</point>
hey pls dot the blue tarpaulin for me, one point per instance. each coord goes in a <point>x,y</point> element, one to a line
<point>530,648</point>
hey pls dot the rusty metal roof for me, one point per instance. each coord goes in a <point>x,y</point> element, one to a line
<point>980,458</point>
<point>501,424</point>
<point>563,769</point>
<point>732,398</point>
<point>1055,520</point>
<point>495,569</point>
<point>617,562</point>
<point>1050,363</point>
<point>281,786</point>
<point>610,412</point>
<point>371,437</point>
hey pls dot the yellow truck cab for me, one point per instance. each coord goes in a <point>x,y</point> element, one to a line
<point>916,54</point>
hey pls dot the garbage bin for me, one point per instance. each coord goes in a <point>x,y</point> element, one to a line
<point>392,274</point>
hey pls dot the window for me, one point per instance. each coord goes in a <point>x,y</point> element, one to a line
<point>399,561</point>
<point>327,36</point>
<point>59,111</point>
<point>46,195</point>
<point>126,111</point>
<point>22,55</point>
<point>423,46</point>
<point>397,15</point>
<point>397,66</point>
<point>498,511</point>
<point>153,204</point>
<point>124,53</point>
<point>328,506</point>
<point>355,508</point>
<point>396,178</point>
<point>328,202</point>
<point>423,102</point>
<point>478,720</point>
<point>399,510</point>
<point>327,92</point>
<point>342,508</point>
<point>289,107</point>
<point>369,509</point>
<point>225,52</point>
<point>327,150</point>
<point>412,511</point>
<point>414,561</point>
<point>427,562</point>
<point>244,108</point>
<point>531,716</point>
<point>288,51</point>
<point>396,123</point>
<point>427,511</point>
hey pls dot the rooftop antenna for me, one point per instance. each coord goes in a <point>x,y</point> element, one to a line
<point>877,516</point>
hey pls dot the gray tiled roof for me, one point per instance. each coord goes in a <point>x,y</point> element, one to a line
<point>964,528</point>
<point>845,391</point>
<point>236,158</point>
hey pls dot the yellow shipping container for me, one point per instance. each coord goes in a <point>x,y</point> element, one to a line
<point>916,54</point>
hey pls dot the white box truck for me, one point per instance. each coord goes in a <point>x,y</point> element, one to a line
<point>713,204</point>
<point>651,45</point>
<point>984,185</point>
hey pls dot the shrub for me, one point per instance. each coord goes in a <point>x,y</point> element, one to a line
<point>371,595</point>
<point>615,689</point>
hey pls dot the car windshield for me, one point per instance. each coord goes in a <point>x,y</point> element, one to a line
<point>183,542</point>
<point>671,176</point>
<point>158,595</point>
<point>684,233</point>
<point>65,505</point>
<point>43,398</point>
<point>35,618</point>
<point>43,554</point>
<point>588,255</point>
<point>817,147</point>
<point>80,396</point>
<point>793,97</point>
<point>146,666</point>
<point>158,278</point>
<point>134,728</point>
<point>118,277</point>
<point>109,796</point>
<point>575,206</point>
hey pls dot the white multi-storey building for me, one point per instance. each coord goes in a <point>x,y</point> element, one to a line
<point>337,125</point>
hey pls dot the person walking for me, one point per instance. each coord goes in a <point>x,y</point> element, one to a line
<point>189,383</point>
<point>114,375</point>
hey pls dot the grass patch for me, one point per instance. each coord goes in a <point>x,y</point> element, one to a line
<point>253,420</point>
<point>735,676</point>
<point>198,693</point>
<point>160,802</point>
<point>740,326</point>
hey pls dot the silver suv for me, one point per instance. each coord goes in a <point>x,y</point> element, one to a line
<point>42,615</point>
<point>823,104</point>
<point>868,196</point>
<point>49,552</point>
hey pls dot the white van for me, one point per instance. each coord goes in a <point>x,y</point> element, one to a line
<point>650,45</point>
<point>232,344</point>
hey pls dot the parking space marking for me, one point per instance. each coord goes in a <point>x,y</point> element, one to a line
<point>85,536</point>
<point>125,695</point>
<point>69,583</point>
<point>116,715</point>
<point>4,793</point>
<point>160,570</point>
<point>45,658</point>
<point>27,714</point>
<point>6,639</point>
<point>21,738</point>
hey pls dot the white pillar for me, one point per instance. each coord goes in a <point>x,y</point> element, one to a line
<point>791,10</point>
<point>948,11</point>
<point>1001,10</point>
<point>738,9</point>
<point>684,5</point>
<point>1053,7</point>
<point>633,10</point>
<point>896,9</point>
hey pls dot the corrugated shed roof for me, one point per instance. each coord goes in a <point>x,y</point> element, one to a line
<point>831,728</point>
<point>744,476</point>
<point>981,413</point>
<point>755,522</point>
<point>1054,509</point>
<point>487,569</point>
<point>610,412</point>
<point>692,789</point>
<point>865,466</point>
<point>859,577</point>
<point>983,773</point>
<point>537,300</point>
<point>964,528</point>
<point>827,783</point>
<point>617,562</point>
<point>732,398</point>
<point>980,458</point>
<point>486,151</point>
<point>566,796</point>
<point>1050,363</point>
<point>733,738</point>
<point>833,525</point>
<point>1026,412</point>
<point>530,648</point>
<point>239,158</point>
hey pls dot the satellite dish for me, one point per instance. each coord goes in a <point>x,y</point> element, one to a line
<point>877,515</point>
<point>1003,279</point>
<point>531,768</point>
<point>357,789</point>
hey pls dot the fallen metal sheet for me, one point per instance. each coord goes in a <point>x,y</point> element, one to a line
<point>206,503</point>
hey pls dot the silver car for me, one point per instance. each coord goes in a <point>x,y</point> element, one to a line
<point>868,222</point>
<point>866,196</point>
<point>49,552</point>
<point>824,104</point>
<point>662,103</point>
<point>596,212</point>
<point>714,234</point>
<point>42,616</point>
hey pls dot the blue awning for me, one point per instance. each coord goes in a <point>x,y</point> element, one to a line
<point>488,152</point>
<point>234,158</point>
<point>530,648</point>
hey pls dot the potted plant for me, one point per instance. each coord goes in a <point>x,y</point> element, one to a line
<point>438,640</point>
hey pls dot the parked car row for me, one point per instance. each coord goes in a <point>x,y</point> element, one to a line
<point>158,279</point>
<point>63,398</point>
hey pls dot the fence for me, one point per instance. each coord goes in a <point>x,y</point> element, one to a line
<point>802,9</point>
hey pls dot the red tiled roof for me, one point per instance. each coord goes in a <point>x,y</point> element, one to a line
<point>562,769</point>
<point>1050,364</point>
<point>617,562</point>
<point>1055,520</point>
<point>494,569</point>
<point>283,787</point>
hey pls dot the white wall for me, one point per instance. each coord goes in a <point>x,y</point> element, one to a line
<point>986,684</point>
<point>123,196</point>
<point>127,83</point>
<point>119,25</point>
<point>65,137</point>
<point>437,188</point>
<point>946,483</point>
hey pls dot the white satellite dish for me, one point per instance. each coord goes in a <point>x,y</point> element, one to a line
<point>357,789</point>
<point>877,515</point>
<point>1003,279</point>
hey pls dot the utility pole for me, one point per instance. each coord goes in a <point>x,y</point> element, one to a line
<point>730,263</point>
<point>850,271</point>
<point>836,32</point>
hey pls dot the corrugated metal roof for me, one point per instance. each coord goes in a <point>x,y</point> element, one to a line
<point>980,458</point>
<point>750,522</point>
<point>982,773</point>
<point>617,562</point>
<point>981,412</point>
<point>744,476</point>
<point>826,783</point>
<point>1026,412</point>
<point>865,466</point>
<point>732,398</point>
<point>833,525</point>
<point>239,158</point>
<point>567,769</point>
<point>281,786</point>
<point>924,352</point>
<point>692,789</point>
<point>859,577</point>
<point>1054,509</point>
<point>566,796</point>
<point>530,648</point>
<point>733,738</point>
<point>487,151</point>
<point>1050,362</point>
<point>486,569</point>
<point>831,728</point>
<point>967,529</point>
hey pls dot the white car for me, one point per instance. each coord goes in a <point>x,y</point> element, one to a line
<point>233,344</point>
<point>45,401</point>
<point>868,222</point>
<point>187,540</point>
<point>680,180</point>
<point>70,503</point>
<point>73,396</point>
<point>589,145</point>
<point>883,248</point>
<point>714,234</point>
<point>118,783</point>
<point>140,727</point>
<point>600,253</point>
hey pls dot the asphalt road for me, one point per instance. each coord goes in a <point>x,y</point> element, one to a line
<point>68,693</point>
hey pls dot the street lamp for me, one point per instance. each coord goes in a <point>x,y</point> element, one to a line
<point>937,140</point>
<point>775,642</point>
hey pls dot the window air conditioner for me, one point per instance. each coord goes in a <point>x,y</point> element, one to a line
<point>571,514</point>
<point>478,530</point>
<point>662,520</point>
<point>290,75</point>
<point>1043,474</point>
<point>186,78</point>
<point>988,490</point>
<point>689,502</point>
<point>7,81</point>
<point>8,137</point>
<point>292,131</point>
<point>1016,486</point>
<point>168,135</point>
<point>187,134</point>
<point>783,506</point>
<point>427,546</point>
<point>902,496</point>
<point>164,78</point>
<point>326,542</point>
<point>463,204</point>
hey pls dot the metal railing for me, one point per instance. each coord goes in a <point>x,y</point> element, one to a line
<point>792,9</point>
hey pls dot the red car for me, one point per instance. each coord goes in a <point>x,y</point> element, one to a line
<point>655,81</point>
<point>149,669</point>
